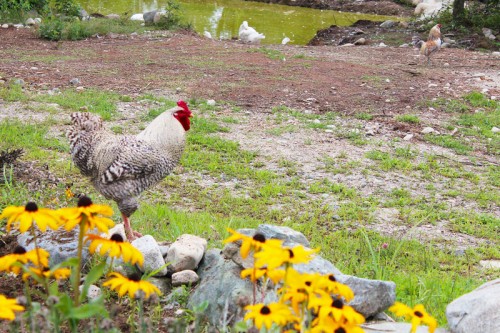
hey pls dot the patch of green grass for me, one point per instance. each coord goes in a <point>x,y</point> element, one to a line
<point>363,116</point>
<point>280,130</point>
<point>100,102</point>
<point>449,141</point>
<point>388,162</point>
<point>270,53</point>
<point>408,118</point>
<point>33,138</point>
<point>13,93</point>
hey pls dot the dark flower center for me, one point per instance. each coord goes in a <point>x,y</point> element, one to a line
<point>337,304</point>
<point>84,202</point>
<point>265,310</point>
<point>135,277</point>
<point>290,253</point>
<point>19,250</point>
<point>332,278</point>
<point>31,207</point>
<point>308,283</point>
<point>340,330</point>
<point>117,238</point>
<point>259,238</point>
<point>418,314</point>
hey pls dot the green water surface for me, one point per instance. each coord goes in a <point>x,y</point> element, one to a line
<point>222,18</point>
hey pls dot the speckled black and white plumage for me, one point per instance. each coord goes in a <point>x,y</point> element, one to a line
<point>122,166</point>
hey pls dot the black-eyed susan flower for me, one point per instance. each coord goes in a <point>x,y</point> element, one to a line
<point>7,308</point>
<point>58,274</point>
<point>74,216</point>
<point>417,315</point>
<point>37,257</point>
<point>330,284</point>
<point>29,214</point>
<point>330,325</point>
<point>275,275</point>
<point>339,311</point>
<point>251,243</point>
<point>274,257</point>
<point>115,247</point>
<point>267,315</point>
<point>122,285</point>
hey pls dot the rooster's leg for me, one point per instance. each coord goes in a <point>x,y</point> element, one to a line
<point>131,234</point>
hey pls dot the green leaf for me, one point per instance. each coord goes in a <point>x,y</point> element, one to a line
<point>95,274</point>
<point>86,311</point>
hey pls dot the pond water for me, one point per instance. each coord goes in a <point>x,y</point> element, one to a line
<point>222,18</point>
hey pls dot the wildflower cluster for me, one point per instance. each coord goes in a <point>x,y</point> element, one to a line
<point>34,264</point>
<point>308,302</point>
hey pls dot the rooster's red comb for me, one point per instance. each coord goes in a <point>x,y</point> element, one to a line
<point>183,105</point>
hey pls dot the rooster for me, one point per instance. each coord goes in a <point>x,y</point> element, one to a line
<point>432,45</point>
<point>122,166</point>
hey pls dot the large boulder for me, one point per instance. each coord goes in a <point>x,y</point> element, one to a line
<point>477,311</point>
<point>60,244</point>
<point>221,286</point>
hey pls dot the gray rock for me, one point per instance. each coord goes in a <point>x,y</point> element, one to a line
<point>5,26</point>
<point>408,137</point>
<point>93,292</point>
<point>232,251</point>
<point>113,16</point>
<point>161,283</point>
<point>186,253</point>
<point>74,81</point>
<point>82,13</point>
<point>61,244</point>
<point>17,82</point>
<point>388,24</point>
<point>495,129</point>
<point>288,235</point>
<point>490,264</point>
<point>427,130</point>
<point>370,296</point>
<point>117,229</point>
<point>186,277</point>
<point>360,41</point>
<point>476,311</point>
<point>30,21</point>
<point>149,16</point>
<point>318,265</point>
<point>153,260</point>
<point>159,16</point>
<point>221,285</point>
<point>396,328</point>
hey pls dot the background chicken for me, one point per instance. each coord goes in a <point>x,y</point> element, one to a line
<point>432,45</point>
<point>121,167</point>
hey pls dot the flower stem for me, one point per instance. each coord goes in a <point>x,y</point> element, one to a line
<point>40,266</point>
<point>76,282</point>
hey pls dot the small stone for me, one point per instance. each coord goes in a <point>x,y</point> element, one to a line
<point>388,24</point>
<point>317,121</point>
<point>187,277</point>
<point>186,253</point>
<point>178,90</point>
<point>30,22</point>
<point>328,131</point>
<point>360,41</point>
<point>408,137</point>
<point>179,312</point>
<point>79,88</point>
<point>113,16</point>
<point>5,26</point>
<point>404,45</point>
<point>382,45</point>
<point>34,68</point>
<point>427,130</point>
<point>432,85</point>
<point>117,229</point>
<point>74,81</point>
<point>93,292</point>
<point>38,20</point>
<point>153,260</point>
<point>490,264</point>
<point>346,45</point>
<point>211,102</point>
<point>446,64</point>
<point>495,129</point>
